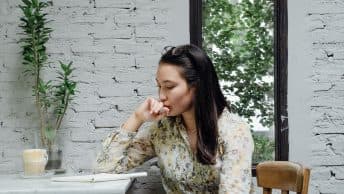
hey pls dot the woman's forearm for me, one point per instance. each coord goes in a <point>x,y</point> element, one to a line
<point>132,124</point>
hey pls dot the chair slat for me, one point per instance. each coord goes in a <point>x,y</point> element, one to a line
<point>284,192</point>
<point>267,191</point>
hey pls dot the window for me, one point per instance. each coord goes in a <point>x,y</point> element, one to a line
<point>280,29</point>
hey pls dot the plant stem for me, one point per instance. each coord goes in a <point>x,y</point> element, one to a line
<point>38,97</point>
<point>60,117</point>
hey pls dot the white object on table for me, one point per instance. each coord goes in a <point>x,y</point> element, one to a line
<point>98,177</point>
<point>16,184</point>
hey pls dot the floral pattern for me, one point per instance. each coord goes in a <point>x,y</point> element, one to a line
<point>180,170</point>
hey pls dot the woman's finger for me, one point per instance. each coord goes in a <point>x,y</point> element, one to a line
<point>159,106</point>
<point>165,110</point>
<point>153,106</point>
<point>150,103</point>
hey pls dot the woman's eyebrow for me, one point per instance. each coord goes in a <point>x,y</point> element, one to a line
<point>165,81</point>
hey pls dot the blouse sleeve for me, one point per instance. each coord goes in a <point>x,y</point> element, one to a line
<point>122,151</point>
<point>235,174</point>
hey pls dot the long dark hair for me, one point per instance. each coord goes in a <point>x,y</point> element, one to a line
<point>209,101</point>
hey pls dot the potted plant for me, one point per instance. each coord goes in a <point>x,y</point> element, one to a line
<point>52,97</point>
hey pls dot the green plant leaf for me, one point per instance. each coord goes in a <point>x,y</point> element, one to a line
<point>35,35</point>
<point>27,2</point>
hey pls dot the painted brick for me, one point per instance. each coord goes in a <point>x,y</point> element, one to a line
<point>325,27</point>
<point>321,173</point>
<point>67,3</point>
<point>147,31</point>
<point>126,4</point>
<point>327,6</point>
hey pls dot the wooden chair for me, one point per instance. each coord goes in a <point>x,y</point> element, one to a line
<point>284,175</point>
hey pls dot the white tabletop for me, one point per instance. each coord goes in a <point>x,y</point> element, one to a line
<point>18,184</point>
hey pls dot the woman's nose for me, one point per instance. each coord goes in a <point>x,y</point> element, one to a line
<point>162,96</point>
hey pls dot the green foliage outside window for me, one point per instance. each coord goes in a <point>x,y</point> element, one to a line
<point>263,149</point>
<point>238,37</point>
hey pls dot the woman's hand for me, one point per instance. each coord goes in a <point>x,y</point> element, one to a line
<point>151,110</point>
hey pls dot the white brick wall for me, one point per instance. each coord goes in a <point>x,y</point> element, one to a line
<point>115,46</point>
<point>315,94</point>
<point>327,36</point>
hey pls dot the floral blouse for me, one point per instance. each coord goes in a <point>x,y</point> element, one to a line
<point>181,172</point>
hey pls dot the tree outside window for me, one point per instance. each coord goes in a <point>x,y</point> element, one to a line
<point>238,36</point>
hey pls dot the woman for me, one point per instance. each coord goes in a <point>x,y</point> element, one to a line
<point>201,146</point>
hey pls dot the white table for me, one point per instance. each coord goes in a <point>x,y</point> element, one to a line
<point>16,184</point>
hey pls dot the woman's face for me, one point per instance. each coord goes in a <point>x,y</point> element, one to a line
<point>173,89</point>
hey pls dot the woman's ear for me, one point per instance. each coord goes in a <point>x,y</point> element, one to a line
<point>192,89</point>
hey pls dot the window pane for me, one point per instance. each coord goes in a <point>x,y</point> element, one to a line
<point>238,36</point>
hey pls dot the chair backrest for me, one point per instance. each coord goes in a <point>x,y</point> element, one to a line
<point>284,175</point>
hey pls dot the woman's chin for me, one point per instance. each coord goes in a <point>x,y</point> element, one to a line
<point>170,114</point>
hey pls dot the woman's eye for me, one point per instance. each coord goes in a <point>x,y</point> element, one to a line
<point>166,87</point>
